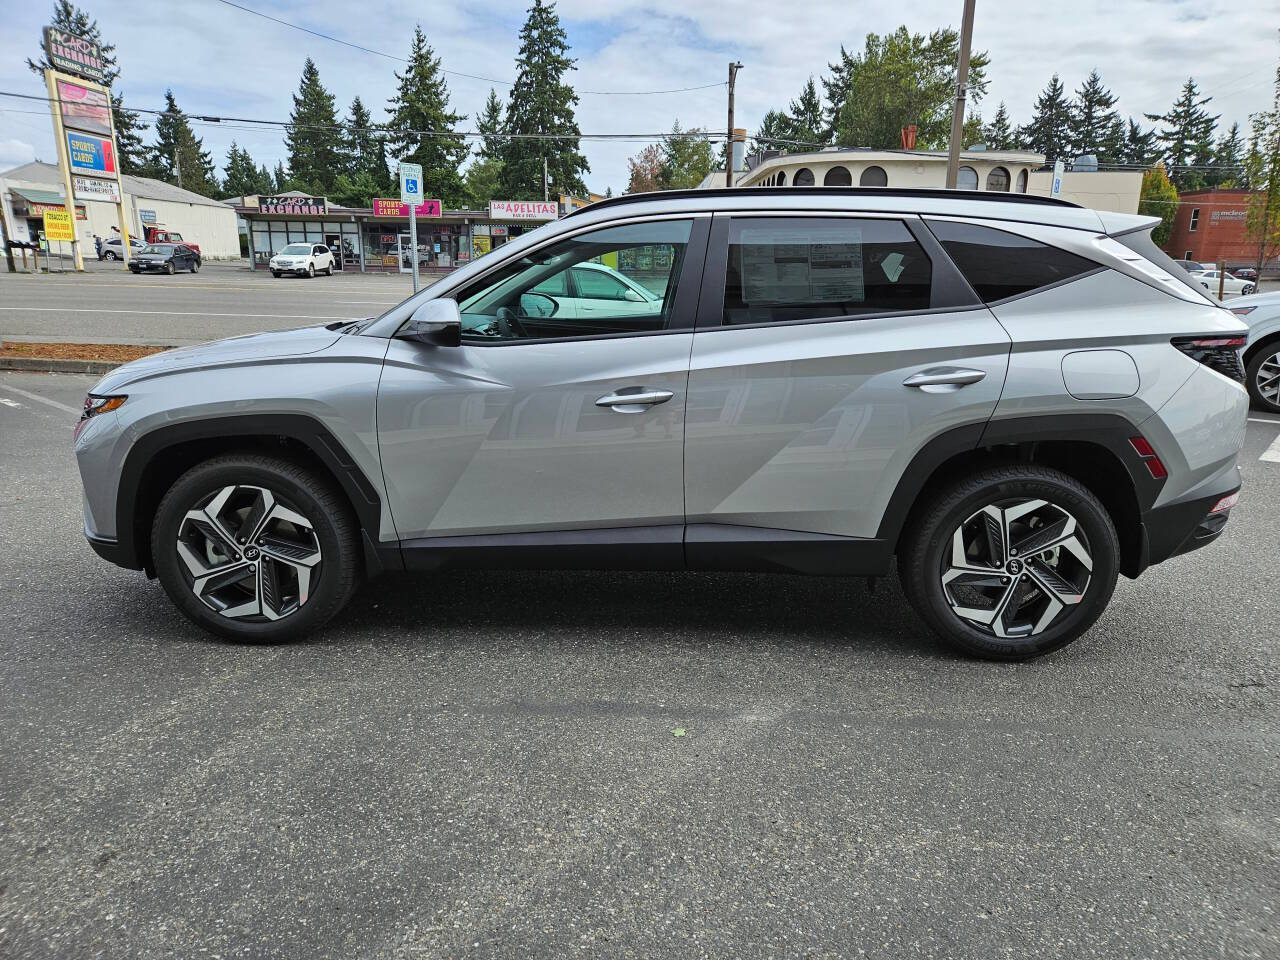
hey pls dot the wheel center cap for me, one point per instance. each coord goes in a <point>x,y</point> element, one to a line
<point>251,553</point>
<point>1014,566</point>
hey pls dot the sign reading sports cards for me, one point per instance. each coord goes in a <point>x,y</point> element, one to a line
<point>91,154</point>
<point>387,207</point>
<point>72,54</point>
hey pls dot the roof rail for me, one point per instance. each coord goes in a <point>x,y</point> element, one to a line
<point>930,193</point>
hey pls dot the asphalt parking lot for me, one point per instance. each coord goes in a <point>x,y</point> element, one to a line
<point>487,764</point>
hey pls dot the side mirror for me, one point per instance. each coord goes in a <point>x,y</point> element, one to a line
<point>436,323</point>
<point>633,296</point>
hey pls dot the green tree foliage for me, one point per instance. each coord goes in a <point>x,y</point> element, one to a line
<point>315,147</point>
<point>280,178</point>
<point>1187,133</point>
<point>483,182</point>
<point>645,168</point>
<point>366,153</point>
<point>131,151</point>
<point>687,158</point>
<point>1228,159</point>
<point>905,78</point>
<point>1262,173</point>
<point>999,134</point>
<point>178,155</point>
<point>1093,120</point>
<point>1139,147</point>
<point>491,125</point>
<point>1049,131</point>
<point>805,120</point>
<point>543,103</point>
<point>771,134</point>
<point>835,86</point>
<point>422,128</point>
<point>1158,198</point>
<point>244,178</point>
<point>356,189</point>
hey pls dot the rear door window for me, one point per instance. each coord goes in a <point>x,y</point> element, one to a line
<point>783,269</point>
<point>1000,265</point>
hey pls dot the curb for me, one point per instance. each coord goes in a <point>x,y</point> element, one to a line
<point>55,365</point>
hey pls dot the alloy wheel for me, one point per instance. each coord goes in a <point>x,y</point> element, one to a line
<point>248,554</point>
<point>1014,566</point>
<point>1268,379</point>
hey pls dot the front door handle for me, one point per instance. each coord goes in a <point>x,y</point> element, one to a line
<point>634,399</point>
<point>943,379</point>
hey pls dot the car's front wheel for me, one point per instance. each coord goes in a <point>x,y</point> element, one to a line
<point>311,271</point>
<point>255,548</point>
<point>1011,562</point>
<point>195,266</point>
<point>1262,377</point>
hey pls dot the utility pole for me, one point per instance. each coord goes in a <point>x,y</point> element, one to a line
<point>546,189</point>
<point>728,143</point>
<point>962,85</point>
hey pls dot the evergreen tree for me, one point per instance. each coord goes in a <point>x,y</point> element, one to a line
<point>805,119</point>
<point>421,128</point>
<point>1093,119</point>
<point>998,134</point>
<point>315,146</point>
<point>483,182</point>
<point>241,174</point>
<point>836,87</point>
<point>1228,158</point>
<point>1139,147</point>
<point>1049,131</point>
<point>1188,128</point>
<point>491,125</point>
<point>774,129</point>
<point>279,179</point>
<point>971,129</point>
<point>178,155</point>
<point>131,152</point>
<point>542,102</point>
<point>687,158</point>
<point>366,151</point>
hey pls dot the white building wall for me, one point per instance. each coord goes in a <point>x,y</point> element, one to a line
<point>211,228</point>
<point>1114,190</point>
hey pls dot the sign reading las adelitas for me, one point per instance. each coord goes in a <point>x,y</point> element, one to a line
<point>523,210</point>
<point>72,54</point>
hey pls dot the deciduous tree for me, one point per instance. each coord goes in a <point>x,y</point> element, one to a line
<point>1262,170</point>
<point>645,168</point>
<point>1158,198</point>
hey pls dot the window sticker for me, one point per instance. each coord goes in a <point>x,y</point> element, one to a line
<point>810,265</point>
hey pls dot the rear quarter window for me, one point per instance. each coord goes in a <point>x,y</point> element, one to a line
<point>1000,265</point>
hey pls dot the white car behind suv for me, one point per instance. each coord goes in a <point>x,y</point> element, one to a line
<point>1231,286</point>
<point>303,259</point>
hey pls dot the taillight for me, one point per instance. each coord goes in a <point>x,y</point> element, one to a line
<point>1226,503</point>
<point>1221,354</point>
<point>1147,454</point>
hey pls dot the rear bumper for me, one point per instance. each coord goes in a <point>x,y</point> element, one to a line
<point>1179,528</point>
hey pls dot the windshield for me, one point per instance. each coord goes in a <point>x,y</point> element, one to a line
<point>296,249</point>
<point>161,248</point>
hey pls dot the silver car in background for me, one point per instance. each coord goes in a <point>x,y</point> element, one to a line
<point>1261,354</point>
<point>1017,399</point>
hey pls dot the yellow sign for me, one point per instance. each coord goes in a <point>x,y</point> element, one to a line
<point>58,226</point>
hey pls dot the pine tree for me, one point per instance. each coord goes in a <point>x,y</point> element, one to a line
<point>1093,119</point>
<point>366,151</point>
<point>836,87</point>
<point>687,158</point>
<point>240,173</point>
<point>971,130</point>
<point>279,179</point>
<point>998,134</point>
<point>312,138</point>
<point>178,155</point>
<point>421,128</point>
<point>263,183</point>
<point>774,130</point>
<point>491,125</point>
<point>542,103</point>
<point>1187,128</point>
<point>1228,158</point>
<point>1139,147</point>
<point>805,119</point>
<point>131,152</point>
<point>1049,131</point>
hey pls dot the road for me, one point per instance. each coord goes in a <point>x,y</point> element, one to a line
<point>485,764</point>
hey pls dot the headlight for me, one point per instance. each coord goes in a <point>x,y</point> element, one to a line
<point>94,405</point>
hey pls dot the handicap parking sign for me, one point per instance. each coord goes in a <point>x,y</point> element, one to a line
<point>410,183</point>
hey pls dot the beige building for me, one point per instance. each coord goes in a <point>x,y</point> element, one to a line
<point>1007,171</point>
<point>26,191</point>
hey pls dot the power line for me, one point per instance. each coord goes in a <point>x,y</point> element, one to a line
<point>457,73</point>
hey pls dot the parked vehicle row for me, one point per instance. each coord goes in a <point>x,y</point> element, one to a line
<point>1016,398</point>
<point>165,258</point>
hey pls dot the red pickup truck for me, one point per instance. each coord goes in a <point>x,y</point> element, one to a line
<point>161,235</point>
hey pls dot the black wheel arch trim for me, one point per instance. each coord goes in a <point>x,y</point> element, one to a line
<point>300,428</point>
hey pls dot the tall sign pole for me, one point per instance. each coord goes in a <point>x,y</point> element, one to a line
<point>411,193</point>
<point>64,161</point>
<point>728,143</point>
<point>962,88</point>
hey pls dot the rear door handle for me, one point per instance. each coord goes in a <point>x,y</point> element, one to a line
<point>944,379</point>
<point>636,401</point>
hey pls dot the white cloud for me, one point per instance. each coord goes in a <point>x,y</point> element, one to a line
<point>14,153</point>
<point>220,60</point>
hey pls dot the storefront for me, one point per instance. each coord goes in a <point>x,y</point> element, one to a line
<point>277,221</point>
<point>29,206</point>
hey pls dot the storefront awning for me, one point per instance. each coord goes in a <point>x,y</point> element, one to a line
<point>39,196</point>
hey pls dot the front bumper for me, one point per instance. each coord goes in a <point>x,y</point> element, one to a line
<point>112,551</point>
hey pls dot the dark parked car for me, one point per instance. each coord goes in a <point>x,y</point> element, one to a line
<point>165,258</point>
<point>1191,266</point>
<point>1246,273</point>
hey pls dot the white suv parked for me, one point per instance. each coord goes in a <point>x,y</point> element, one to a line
<point>303,259</point>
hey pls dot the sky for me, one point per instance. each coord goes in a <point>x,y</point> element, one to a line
<point>223,61</point>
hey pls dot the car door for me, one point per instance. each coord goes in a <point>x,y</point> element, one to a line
<point>541,423</point>
<point>601,294</point>
<point>829,350</point>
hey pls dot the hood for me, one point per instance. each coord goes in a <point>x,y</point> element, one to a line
<point>1269,299</point>
<point>255,346</point>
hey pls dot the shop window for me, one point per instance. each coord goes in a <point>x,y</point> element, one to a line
<point>804,177</point>
<point>967,179</point>
<point>873,176</point>
<point>838,177</point>
<point>1022,181</point>
<point>1195,218</point>
<point>998,180</point>
<point>314,232</point>
<point>297,233</point>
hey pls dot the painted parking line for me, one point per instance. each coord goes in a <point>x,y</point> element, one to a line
<point>1272,453</point>
<point>1264,420</point>
<point>10,388</point>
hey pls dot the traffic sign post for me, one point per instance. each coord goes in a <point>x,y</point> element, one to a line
<point>411,193</point>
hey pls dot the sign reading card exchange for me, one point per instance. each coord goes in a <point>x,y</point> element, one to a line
<point>293,206</point>
<point>73,54</point>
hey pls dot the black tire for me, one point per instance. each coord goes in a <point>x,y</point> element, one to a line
<point>927,543</point>
<point>168,268</point>
<point>328,271</point>
<point>1246,290</point>
<point>276,274</point>
<point>1270,353</point>
<point>108,255</point>
<point>195,266</point>
<point>315,497</point>
<point>311,271</point>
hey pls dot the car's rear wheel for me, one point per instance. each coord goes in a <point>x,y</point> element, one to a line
<point>1247,289</point>
<point>1262,377</point>
<point>255,548</point>
<point>1011,562</point>
<point>108,255</point>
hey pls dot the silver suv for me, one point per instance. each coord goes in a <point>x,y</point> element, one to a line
<point>1017,398</point>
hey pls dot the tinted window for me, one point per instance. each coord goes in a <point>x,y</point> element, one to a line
<point>1000,265</point>
<point>598,285</point>
<point>808,268</point>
